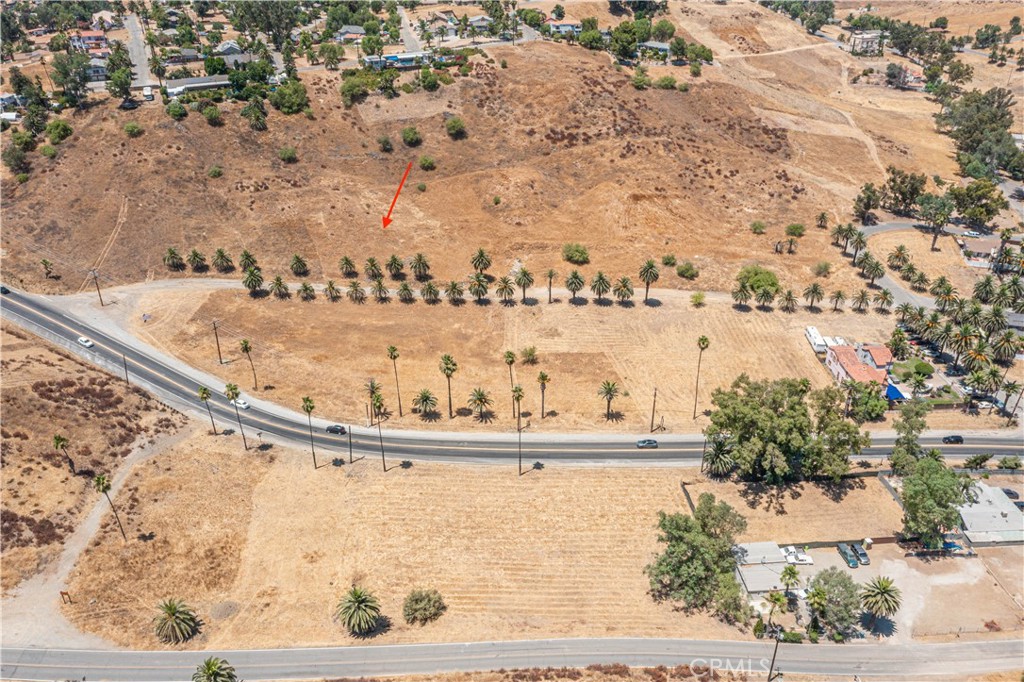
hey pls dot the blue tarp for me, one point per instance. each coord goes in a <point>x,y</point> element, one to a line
<point>893,393</point>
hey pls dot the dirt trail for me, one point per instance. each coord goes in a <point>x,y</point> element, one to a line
<point>730,57</point>
<point>122,217</point>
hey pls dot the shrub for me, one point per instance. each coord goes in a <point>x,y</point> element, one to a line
<point>758,227</point>
<point>176,110</point>
<point>423,606</point>
<point>823,268</point>
<point>385,143</point>
<point>812,635</point>
<point>668,260</point>
<point>427,163</point>
<point>466,69</point>
<point>22,178</point>
<point>411,136</point>
<point>497,200</point>
<point>759,628</point>
<point>697,299</point>
<point>795,230</point>
<point>14,158</point>
<point>58,130</point>
<point>924,369</point>
<point>353,90</point>
<point>455,127</point>
<point>529,355</point>
<point>422,187</point>
<point>641,81</point>
<point>757,278</point>
<point>48,151</point>
<point>977,461</point>
<point>215,172</point>
<point>212,115</point>
<point>24,140</point>
<point>504,64</point>
<point>665,83</point>
<point>288,154</point>
<point>792,637</point>
<point>576,254</point>
<point>1010,462</point>
<point>687,271</point>
<point>429,79</point>
<point>683,87</point>
<point>289,97</point>
<point>408,88</point>
<point>695,70</point>
<point>133,129</point>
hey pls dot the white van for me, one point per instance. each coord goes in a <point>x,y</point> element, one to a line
<point>147,93</point>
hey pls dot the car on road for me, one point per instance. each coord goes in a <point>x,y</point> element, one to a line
<point>647,444</point>
<point>336,429</point>
<point>848,556</point>
<point>862,554</point>
<point>983,404</point>
<point>240,404</point>
<point>85,341</point>
<point>972,233</point>
<point>953,440</point>
<point>1011,493</point>
<point>4,290</point>
<point>1020,505</point>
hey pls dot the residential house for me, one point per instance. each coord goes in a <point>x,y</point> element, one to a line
<point>8,100</point>
<point>296,33</point>
<point>481,23</point>
<point>993,518</point>
<point>227,47</point>
<point>86,40</point>
<point>182,85</point>
<point>349,33</point>
<point>405,60</point>
<point>97,70</point>
<point>865,41</point>
<point>183,56</point>
<point>170,33</point>
<point>236,61</point>
<point>845,363</point>
<point>104,21</point>
<point>444,23</point>
<point>654,46</point>
<point>875,355</point>
<point>564,25</point>
<point>759,567</point>
<point>99,52</point>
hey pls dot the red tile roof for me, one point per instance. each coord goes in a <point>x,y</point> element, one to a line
<point>857,370</point>
<point>880,355</point>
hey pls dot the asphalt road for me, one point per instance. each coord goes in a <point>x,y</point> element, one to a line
<point>178,385</point>
<point>866,660</point>
<point>138,52</point>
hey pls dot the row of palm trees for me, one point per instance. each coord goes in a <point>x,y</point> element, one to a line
<point>814,294</point>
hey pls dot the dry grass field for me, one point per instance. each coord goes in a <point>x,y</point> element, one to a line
<point>558,552</point>
<point>47,391</point>
<point>945,260</point>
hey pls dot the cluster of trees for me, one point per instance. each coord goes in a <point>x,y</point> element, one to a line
<point>777,431</point>
<point>762,286</point>
<point>628,35</point>
<point>979,123</point>
<point>836,602</point>
<point>904,194</point>
<point>813,15</point>
<point>359,610</point>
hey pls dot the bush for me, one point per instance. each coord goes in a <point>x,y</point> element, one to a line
<point>429,80</point>
<point>813,636</point>
<point>758,227</point>
<point>133,129</point>
<point>422,187</point>
<point>528,355</point>
<point>497,200</point>
<point>924,369</point>
<point>411,137</point>
<point>408,88</point>
<point>688,271</point>
<point>288,154</point>
<point>1010,462</point>
<point>668,260</point>
<point>353,90</point>
<point>58,130</point>
<point>757,278</point>
<point>427,163</point>
<point>576,254</point>
<point>14,158</point>
<point>48,151</point>
<point>24,140</point>
<point>697,299</point>
<point>695,70</point>
<point>684,87</point>
<point>455,127</point>
<point>176,110</point>
<point>665,83</point>
<point>385,143</point>
<point>792,637</point>
<point>215,172</point>
<point>795,230</point>
<point>212,115</point>
<point>504,64</point>
<point>289,97</point>
<point>22,178</point>
<point>423,606</point>
<point>823,268</point>
<point>759,628</point>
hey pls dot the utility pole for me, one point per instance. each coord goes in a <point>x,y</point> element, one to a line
<point>216,337</point>
<point>124,358</point>
<point>96,281</point>
<point>772,673</point>
<point>653,404</point>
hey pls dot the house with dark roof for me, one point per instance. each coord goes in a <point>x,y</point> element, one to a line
<point>350,33</point>
<point>227,47</point>
<point>182,85</point>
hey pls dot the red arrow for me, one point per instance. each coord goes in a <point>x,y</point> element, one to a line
<point>387,218</point>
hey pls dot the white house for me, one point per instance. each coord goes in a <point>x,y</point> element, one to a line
<point>565,25</point>
<point>183,85</point>
<point>227,47</point>
<point>993,518</point>
<point>759,567</point>
<point>845,364</point>
<point>97,70</point>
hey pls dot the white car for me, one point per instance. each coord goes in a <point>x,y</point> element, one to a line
<point>85,341</point>
<point>795,556</point>
<point>972,233</point>
<point>240,404</point>
<point>984,404</point>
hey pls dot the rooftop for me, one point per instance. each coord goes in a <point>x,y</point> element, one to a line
<point>993,518</point>
<point>858,371</point>
<point>880,355</point>
<point>761,578</point>
<point>758,553</point>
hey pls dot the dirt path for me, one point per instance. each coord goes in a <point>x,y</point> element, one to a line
<point>799,48</point>
<point>31,615</point>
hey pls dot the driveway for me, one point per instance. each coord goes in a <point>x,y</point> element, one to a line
<point>138,52</point>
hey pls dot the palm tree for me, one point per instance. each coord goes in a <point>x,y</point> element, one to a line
<point>788,301</point>
<point>196,260</point>
<point>551,274</point>
<point>247,349</point>
<point>222,261</point>
<point>978,356</point>
<point>777,600</point>
<point>380,290</point>
<point>837,298</point>
<point>306,291</point>
<point>372,269</point>
<point>813,294</point>
<point>1011,387</point>
<point>480,261</point>
<point>993,321</point>
<point>505,289</point>
<point>355,292</point>
<point>347,267</point>
<point>448,368</point>
<point>702,345</point>
<point>574,282</point>
<point>543,379</point>
<point>298,265</point>
<point>394,266</point>
<point>961,341</point>
<point>764,297</point>
<point>817,600</point>
<point>600,285</point>
<point>517,400</point>
<point>430,293</point>
<point>425,401</point>
<point>821,220</point>
<point>61,443</point>
<point>790,577</point>
<point>858,242</point>
<point>175,622</point>
<point>232,393</point>
<point>838,233</point>
<point>453,292</point>
<point>883,300</point>
<point>718,459</point>
<point>331,291</point>
<point>359,610</point>
<point>1005,345</point>
<point>919,281</point>
<point>102,485</point>
<point>478,286</point>
<point>204,395</point>
<point>253,280</point>
<point>942,335</point>
<point>405,294</point>
<point>393,357</point>
<point>904,311</point>
<point>880,597</point>
<point>908,271</point>
<point>524,279</point>
<point>623,289</point>
<point>173,259</point>
<point>985,288</point>
<point>278,287</point>
<point>741,294</point>
<point>898,257</point>
<point>479,400</point>
<point>648,275</point>
<point>874,270</point>
<point>419,266</point>
<point>214,669</point>
<point>861,300</point>
<point>510,359</point>
<point>609,391</point>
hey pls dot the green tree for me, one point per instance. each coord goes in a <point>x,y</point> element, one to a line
<point>978,202</point>
<point>478,285</point>
<point>505,289</point>
<point>290,97</point>
<point>551,274</point>
<point>60,443</point>
<point>600,285</point>
<point>837,601</point>
<point>120,83</point>
<point>232,393</point>
<point>837,298</point>
<point>246,348</point>
<point>543,379</point>
<point>574,282</point>
<point>420,266</point>
<point>880,597</point>
<point>523,280</point>
<point>479,400</point>
<point>222,261</point>
<point>196,260</point>
<point>480,261</point>
<point>454,292</point>
<point>936,211</point>
<point>648,275</point>
<point>175,622</point>
<point>246,260</point>
<point>173,259</point>
<point>448,368</point>
<point>718,459</point>
<point>790,577</point>
<point>214,669</point>
<point>425,401</point>
<point>609,391</point>
<point>931,496</point>
<point>359,611</point>
<point>813,294</point>
<point>253,280</point>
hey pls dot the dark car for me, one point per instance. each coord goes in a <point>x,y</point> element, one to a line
<point>4,290</point>
<point>336,429</point>
<point>848,556</point>
<point>861,553</point>
<point>129,104</point>
<point>1011,493</point>
<point>1020,505</point>
<point>953,440</point>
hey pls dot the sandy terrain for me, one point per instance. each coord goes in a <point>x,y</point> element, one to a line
<point>945,260</point>
<point>47,391</point>
<point>513,557</point>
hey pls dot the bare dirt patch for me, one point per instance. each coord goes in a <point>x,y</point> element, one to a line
<point>945,260</point>
<point>47,391</point>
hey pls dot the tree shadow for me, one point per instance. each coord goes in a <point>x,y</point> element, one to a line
<point>265,447</point>
<point>812,309</point>
<point>457,302</point>
<point>615,416</point>
<point>146,537</point>
<point>883,625</point>
<point>199,269</point>
<point>741,307</point>
<point>382,625</point>
<point>338,462</point>
<point>485,417</point>
<point>653,302</point>
<point>482,302</point>
<point>838,491</point>
<point>555,299</point>
<point>382,300</point>
<point>579,301</point>
<point>530,301</point>
<point>526,414</point>
<point>604,302</point>
<point>464,412</point>
<point>626,304</point>
<point>430,416</point>
<point>551,413</point>
<point>259,293</point>
<point>508,302</point>
<point>398,276</point>
<point>406,464</point>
